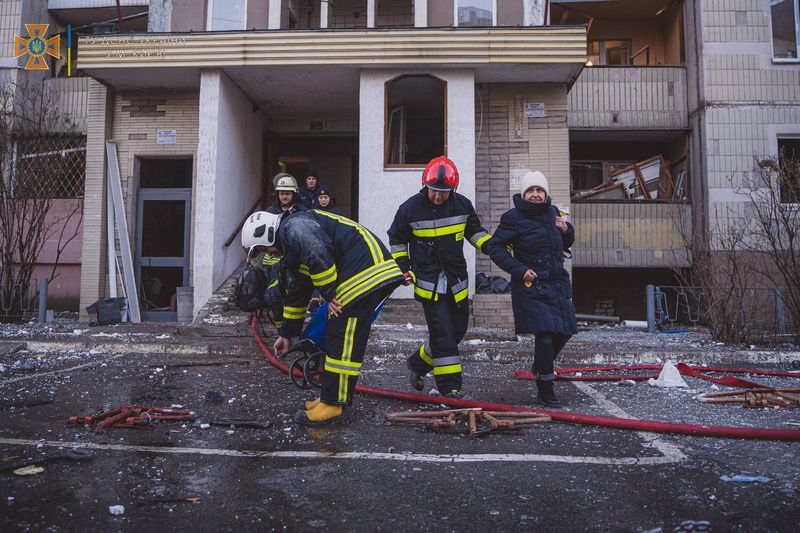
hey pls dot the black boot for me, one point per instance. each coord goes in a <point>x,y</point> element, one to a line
<point>546,396</point>
<point>414,379</point>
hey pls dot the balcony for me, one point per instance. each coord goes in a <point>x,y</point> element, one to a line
<point>629,97</point>
<point>627,234</point>
<point>73,97</point>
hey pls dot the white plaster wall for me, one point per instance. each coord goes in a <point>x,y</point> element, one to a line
<point>228,169</point>
<point>381,191</point>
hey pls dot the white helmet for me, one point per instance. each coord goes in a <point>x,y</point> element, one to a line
<point>286,183</point>
<point>260,229</point>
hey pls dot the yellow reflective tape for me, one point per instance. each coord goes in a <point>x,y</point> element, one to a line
<point>288,315</point>
<point>372,243</point>
<point>460,236</point>
<point>460,295</point>
<point>325,274</point>
<point>303,269</point>
<point>361,277</point>
<point>439,232</point>
<point>343,382</point>
<point>369,285</point>
<point>424,356</point>
<point>398,255</point>
<point>273,284</point>
<point>269,260</point>
<point>347,348</point>
<point>449,369</point>
<point>481,241</point>
<point>428,295</point>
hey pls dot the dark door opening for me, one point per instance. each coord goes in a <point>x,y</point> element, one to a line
<point>162,235</point>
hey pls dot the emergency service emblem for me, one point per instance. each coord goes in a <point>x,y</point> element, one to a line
<point>37,46</point>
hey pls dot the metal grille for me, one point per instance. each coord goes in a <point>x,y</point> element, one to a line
<point>50,166</point>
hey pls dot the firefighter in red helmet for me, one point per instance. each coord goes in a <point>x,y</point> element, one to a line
<point>427,241</point>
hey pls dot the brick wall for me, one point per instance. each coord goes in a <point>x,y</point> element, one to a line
<point>505,140</point>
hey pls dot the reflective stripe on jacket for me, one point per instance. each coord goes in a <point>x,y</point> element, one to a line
<point>427,240</point>
<point>335,255</point>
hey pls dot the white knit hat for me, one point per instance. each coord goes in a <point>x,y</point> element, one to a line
<point>533,179</point>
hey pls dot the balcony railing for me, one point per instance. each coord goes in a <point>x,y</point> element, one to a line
<point>652,97</point>
<point>642,234</point>
<point>73,97</point>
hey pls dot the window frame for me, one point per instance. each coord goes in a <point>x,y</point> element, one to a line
<point>455,15</point>
<point>796,37</point>
<point>210,16</point>
<point>387,112</point>
<point>785,137</point>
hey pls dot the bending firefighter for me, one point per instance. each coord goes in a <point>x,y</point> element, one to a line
<point>426,240</point>
<point>353,272</point>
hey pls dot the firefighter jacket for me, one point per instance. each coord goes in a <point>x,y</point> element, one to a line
<point>340,258</point>
<point>427,241</point>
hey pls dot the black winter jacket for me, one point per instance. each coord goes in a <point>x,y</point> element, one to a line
<point>340,258</point>
<point>427,240</point>
<point>545,305</point>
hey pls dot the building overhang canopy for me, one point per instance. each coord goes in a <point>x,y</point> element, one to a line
<point>312,71</point>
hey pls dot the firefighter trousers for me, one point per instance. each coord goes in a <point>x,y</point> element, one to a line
<point>346,341</point>
<point>447,324</point>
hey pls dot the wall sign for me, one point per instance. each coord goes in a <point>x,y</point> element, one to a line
<point>534,109</point>
<point>167,137</point>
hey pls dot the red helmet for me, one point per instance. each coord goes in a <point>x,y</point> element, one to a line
<point>441,174</point>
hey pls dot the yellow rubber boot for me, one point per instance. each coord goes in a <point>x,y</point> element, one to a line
<point>311,404</point>
<point>323,412</point>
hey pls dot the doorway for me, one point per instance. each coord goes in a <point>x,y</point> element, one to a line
<point>163,222</point>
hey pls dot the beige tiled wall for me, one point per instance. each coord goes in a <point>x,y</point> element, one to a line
<point>749,101</point>
<point>134,136</point>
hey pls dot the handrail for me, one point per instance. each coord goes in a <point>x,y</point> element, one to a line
<point>239,226</point>
<point>643,49</point>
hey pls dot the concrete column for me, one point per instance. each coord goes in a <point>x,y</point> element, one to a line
<point>274,15</point>
<point>533,12</point>
<point>371,13</point>
<point>421,13</point>
<point>229,156</point>
<point>94,262</point>
<point>323,14</point>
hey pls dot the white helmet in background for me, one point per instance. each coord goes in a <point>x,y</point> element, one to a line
<point>286,182</point>
<point>260,229</point>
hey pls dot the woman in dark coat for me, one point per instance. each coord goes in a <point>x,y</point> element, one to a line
<point>540,288</point>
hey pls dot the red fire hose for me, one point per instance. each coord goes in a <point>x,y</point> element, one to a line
<point>619,423</point>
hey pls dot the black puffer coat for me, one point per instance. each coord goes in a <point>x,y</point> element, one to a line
<point>545,306</point>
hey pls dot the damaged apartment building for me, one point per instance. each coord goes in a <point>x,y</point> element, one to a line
<point>634,109</point>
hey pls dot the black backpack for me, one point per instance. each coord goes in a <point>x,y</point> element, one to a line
<point>248,294</point>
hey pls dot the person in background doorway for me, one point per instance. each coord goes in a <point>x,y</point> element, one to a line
<point>541,293</point>
<point>288,200</point>
<point>325,202</point>
<point>308,192</point>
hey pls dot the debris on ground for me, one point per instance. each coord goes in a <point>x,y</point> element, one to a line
<point>755,397</point>
<point>746,479</point>
<point>477,421</point>
<point>134,417</point>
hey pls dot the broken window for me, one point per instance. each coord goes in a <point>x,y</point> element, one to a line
<point>475,12</point>
<point>394,13</point>
<point>415,120</point>
<point>227,14</point>
<point>650,179</point>
<point>50,166</point>
<point>785,16</point>
<point>789,161</point>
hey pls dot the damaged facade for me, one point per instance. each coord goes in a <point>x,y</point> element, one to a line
<point>216,97</point>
